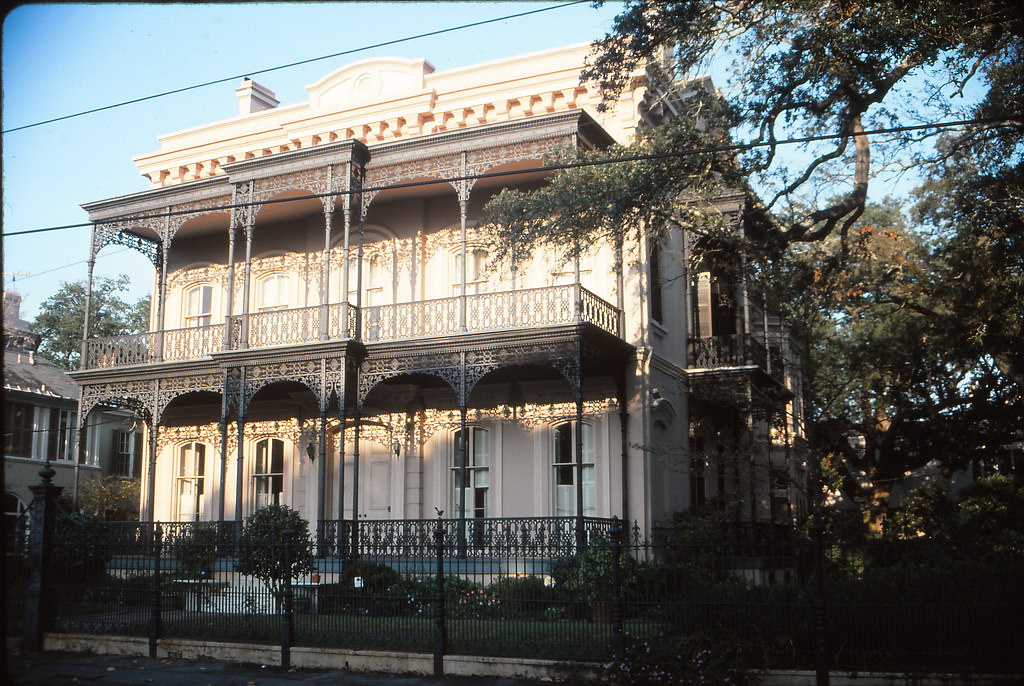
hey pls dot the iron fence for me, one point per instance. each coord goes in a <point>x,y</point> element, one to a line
<point>532,587</point>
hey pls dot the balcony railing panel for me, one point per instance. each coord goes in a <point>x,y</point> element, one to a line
<point>120,351</point>
<point>598,312</point>
<point>283,327</point>
<point>410,320</point>
<point>196,341</point>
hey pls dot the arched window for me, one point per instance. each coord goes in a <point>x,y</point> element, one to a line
<point>563,463</point>
<point>198,305</point>
<point>190,481</point>
<point>268,472</point>
<point>477,481</point>
<point>273,292</point>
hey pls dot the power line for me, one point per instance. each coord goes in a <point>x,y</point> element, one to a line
<point>72,264</point>
<point>734,147</point>
<point>293,64</point>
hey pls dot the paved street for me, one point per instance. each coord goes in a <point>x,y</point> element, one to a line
<point>66,669</point>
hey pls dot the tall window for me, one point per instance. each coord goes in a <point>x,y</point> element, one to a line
<point>477,480</point>
<point>373,277</point>
<point>268,472</point>
<point>60,435</point>
<point>273,292</point>
<point>125,453</point>
<point>190,481</point>
<point>656,285</point>
<point>714,306</point>
<point>19,423</point>
<point>476,271</point>
<point>198,305</point>
<point>563,461</point>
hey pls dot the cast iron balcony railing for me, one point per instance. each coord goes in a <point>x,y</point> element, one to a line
<point>735,350</point>
<point>501,311</point>
<point>292,326</point>
<point>542,537</point>
<point>181,344</point>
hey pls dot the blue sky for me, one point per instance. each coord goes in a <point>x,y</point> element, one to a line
<point>59,59</point>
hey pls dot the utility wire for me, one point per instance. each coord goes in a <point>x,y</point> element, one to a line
<point>293,64</point>
<point>514,172</point>
<point>71,264</point>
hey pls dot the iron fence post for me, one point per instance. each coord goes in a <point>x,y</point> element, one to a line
<point>616,615</point>
<point>155,613</point>
<point>820,625</point>
<point>287,623</point>
<point>39,600</point>
<point>440,633</point>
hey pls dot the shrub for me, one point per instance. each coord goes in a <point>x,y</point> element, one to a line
<point>682,661</point>
<point>197,551</point>
<point>376,578</point>
<point>378,595</point>
<point>262,544</point>
<point>590,574</point>
<point>524,597</point>
<point>463,598</point>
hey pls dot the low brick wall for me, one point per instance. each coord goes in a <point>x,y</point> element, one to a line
<point>327,658</point>
<point>462,665</point>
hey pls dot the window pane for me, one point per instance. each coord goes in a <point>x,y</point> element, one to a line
<point>563,443</point>
<point>277,465</point>
<point>261,457</point>
<point>273,291</point>
<point>481,448</point>
<point>565,475</point>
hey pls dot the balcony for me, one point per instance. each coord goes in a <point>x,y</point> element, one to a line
<point>716,352</point>
<point>501,311</point>
<point>734,352</point>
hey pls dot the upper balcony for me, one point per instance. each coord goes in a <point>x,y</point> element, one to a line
<point>734,352</point>
<point>499,311</point>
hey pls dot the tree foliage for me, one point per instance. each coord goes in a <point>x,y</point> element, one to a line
<point>989,512</point>
<point>815,67</point>
<point>110,498</point>
<point>913,331</point>
<point>976,209</point>
<point>61,318</point>
<point>892,388</point>
<point>594,201</point>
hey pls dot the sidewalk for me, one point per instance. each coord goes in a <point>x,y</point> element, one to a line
<point>66,669</point>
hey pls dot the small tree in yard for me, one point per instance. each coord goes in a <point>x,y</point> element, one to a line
<point>262,546</point>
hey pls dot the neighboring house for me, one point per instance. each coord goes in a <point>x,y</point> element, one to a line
<point>40,424</point>
<point>289,305</point>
